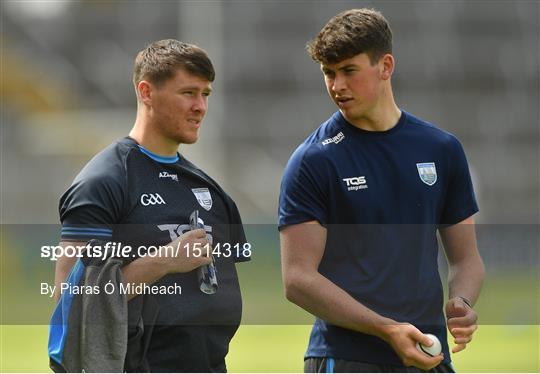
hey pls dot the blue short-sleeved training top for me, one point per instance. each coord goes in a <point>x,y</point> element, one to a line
<point>381,196</point>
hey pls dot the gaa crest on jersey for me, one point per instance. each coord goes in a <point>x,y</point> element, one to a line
<point>203,197</point>
<point>427,172</point>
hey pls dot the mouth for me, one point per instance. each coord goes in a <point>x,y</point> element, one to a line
<point>343,100</point>
<point>194,122</point>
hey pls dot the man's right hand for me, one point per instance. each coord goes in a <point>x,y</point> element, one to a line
<point>191,250</point>
<point>403,338</point>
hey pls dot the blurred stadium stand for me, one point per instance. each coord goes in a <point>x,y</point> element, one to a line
<point>472,68</point>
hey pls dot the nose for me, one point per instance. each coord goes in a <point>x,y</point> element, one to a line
<point>200,104</point>
<point>339,83</point>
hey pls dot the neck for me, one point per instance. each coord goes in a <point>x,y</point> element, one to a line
<point>144,132</point>
<point>382,117</point>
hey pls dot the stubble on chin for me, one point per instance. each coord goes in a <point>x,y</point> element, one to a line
<point>187,139</point>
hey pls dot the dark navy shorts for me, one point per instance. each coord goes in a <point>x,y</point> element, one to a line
<point>335,365</point>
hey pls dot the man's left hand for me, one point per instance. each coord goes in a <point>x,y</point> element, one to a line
<point>461,322</point>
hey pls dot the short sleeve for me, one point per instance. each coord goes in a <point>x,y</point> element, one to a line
<point>460,201</point>
<point>90,208</point>
<point>302,196</point>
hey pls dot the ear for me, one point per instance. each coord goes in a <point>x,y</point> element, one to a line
<point>144,90</point>
<point>386,64</point>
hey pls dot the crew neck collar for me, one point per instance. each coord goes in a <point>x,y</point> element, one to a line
<point>155,156</point>
<point>343,121</point>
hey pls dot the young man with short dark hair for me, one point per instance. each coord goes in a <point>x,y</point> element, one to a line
<point>141,191</point>
<point>361,202</point>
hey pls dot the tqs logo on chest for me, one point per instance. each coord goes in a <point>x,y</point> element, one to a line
<point>152,199</point>
<point>203,197</point>
<point>355,183</point>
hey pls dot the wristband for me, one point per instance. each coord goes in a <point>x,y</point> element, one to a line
<point>466,301</point>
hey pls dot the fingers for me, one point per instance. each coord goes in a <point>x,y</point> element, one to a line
<point>411,356</point>
<point>194,249</point>
<point>197,243</point>
<point>205,261</point>
<point>463,340</point>
<point>198,248</point>
<point>461,323</point>
<point>425,361</point>
<point>462,337</point>
<point>425,340</point>
<point>459,348</point>
<point>198,233</point>
<point>429,361</point>
<point>422,360</point>
<point>456,307</point>
<point>466,320</point>
<point>418,336</point>
<point>434,361</point>
<point>463,331</point>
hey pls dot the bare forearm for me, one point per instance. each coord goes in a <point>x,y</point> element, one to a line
<point>149,269</point>
<point>465,279</point>
<point>302,248</point>
<point>319,296</point>
<point>145,270</point>
<point>465,266</point>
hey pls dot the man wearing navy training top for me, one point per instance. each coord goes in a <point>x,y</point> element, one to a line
<point>141,191</point>
<point>360,205</point>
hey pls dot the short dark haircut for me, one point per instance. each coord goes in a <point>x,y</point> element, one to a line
<point>159,61</point>
<point>350,33</point>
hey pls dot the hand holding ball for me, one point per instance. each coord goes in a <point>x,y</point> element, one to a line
<point>433,350</point>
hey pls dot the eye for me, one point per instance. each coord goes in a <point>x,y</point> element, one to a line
<point>188,93</point>
<point>206,94</point>
<point>329,73</point>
